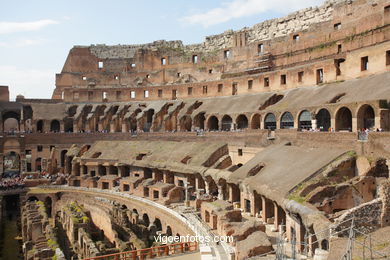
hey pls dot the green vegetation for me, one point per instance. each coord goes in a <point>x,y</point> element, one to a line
<point>352,154</point>
<point>297,198</point>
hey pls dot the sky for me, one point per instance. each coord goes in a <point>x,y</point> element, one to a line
<point>36,35</point>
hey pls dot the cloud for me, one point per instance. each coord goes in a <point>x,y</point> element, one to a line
<point>22,43</point>
<point>32,83</point>
<point>243,8</point>
<point>14,27</point>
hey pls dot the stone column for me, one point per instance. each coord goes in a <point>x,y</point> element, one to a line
<point>112,127</point>
<point>82,170</point>
<point>314,123</point>
<point>354,124</point>
<point>124,128</point>
<point>267,209</point>
<point>220,192</point>
<point>332,123</point>
<point>75,127</point>
<point>207,187</point>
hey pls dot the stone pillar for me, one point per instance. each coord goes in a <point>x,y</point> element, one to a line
<point>268,209</point>
<point>261,123</point>
<point>314,123</point>
<point>100,126</point>
<point>354,124</point>
<point>121,171</point>
<point>124,128</point>
<point>82,170</point>
<point>332,123</point>
<point>220,192</point>
<point>75,127</point>
<point>277,217</point>
<point>277,124</point>
<point>207,187</point>
<point>112,127</point>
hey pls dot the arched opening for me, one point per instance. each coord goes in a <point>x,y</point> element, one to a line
<point>366,117</point>
<point>11,125</point>
<point>199,121</point>
<point>304,120</point>
<point>102,170</point>
<point>287,121</point>
<point>325,244</point>
<point>344,119</point>
<point>242,122</point>
<point>212,123</point>
<point>68,125</point>
<point>323,120</point>
<point>32,198</point>
<point>148,120</point>
<point>63,156</point>
<point>11,122</point>
<point>169,231</point>
<point>270,121</point>
<point>185,123</point>
<point>11,165</point>
<point>38,164</point>
<point>40,126</point>
<point>54,126</point>
<point>227,123</point>
<point>48,206</point>
<point>158,225</point>
<point>145,219</point>
<point>255,123</point>
<point>133,124</point>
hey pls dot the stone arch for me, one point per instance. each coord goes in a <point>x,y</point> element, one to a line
<point>242,122</point>
<point>344,119</point>
<point>365,117</point>
<point>304,120</point>
<point>11,121</point>
<point>199,120</point>
<point>157,223</point>
<point>212,123</point>
<point>270,121</point>
<point>148,120</point>
<point>55,126</point>
<point>40,126</point>
<point>227,123</point>
<point>286,121</point>
<point>185,123</point>
<point>255,122</point>
<point>323,119</point>
<point>145,219</point>
<point>325,244</point>
<point>168,231</point>
<point>212,186</point>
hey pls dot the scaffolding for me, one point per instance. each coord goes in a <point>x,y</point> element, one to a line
<point>287,250</point>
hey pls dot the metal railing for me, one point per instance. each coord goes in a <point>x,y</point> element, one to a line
<point>150,253</point>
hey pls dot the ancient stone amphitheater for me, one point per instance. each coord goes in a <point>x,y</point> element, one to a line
<point>275,136</point>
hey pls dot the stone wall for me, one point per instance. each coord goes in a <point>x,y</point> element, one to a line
<point>367,218</point>
<point>279,27</point>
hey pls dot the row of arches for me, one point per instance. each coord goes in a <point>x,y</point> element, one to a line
<point>322,120</point>
<point>343,121</point>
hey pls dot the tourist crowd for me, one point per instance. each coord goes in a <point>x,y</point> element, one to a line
<point>11,183</point>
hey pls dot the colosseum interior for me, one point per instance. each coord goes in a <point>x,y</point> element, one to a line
<point>275,136</point>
